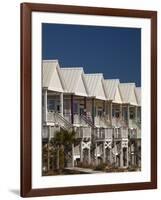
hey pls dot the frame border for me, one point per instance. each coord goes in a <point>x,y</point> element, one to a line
<point>26,96</point>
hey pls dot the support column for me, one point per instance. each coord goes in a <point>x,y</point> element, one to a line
<point>136,113</point>
<point>45,105</point>
<point>121,157</point>
<point>61,104</point>
<point>72,155</point>
<point>120,111</point>
<point>48,152</point>
<point>81,152</point>
<point>127,157</point>
<point>72,111</point>
<point>104,152</point>
<point>96,152</point>
<point>128,114</point>
<point>104,107</point>
<point>110,113</point>
<point>89,156</point>
<point>110,155</point>
<point>85,105</point>
<point>93,110</point>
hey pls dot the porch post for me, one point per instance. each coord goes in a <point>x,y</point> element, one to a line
<point>61,104</point>
<point>136,113</point>
<point>81,152</point>
<point>72,155</point>
<point>120,111</point>
<point>110,155</point>
<point>96,154</point>
<point>93,110</point>
<point>128,114</point>
<point>127,157</point>
<point>72,114</point>
<point>110,112</point>
<point>89,156</point>
<point>104,152</point>
<point>121,157</point>
<point>104,107</point>
<point>48,152</point>
<point>85,105</point>
<point>45,105</point>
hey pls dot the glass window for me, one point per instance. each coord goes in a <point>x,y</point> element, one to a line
<point>51,104</point>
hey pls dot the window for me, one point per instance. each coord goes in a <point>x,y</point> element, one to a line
<point>51,104</point>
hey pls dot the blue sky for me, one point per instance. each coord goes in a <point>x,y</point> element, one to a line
<point>115,52</point>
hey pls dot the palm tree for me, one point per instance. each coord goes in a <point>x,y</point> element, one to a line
<point>63,141</point>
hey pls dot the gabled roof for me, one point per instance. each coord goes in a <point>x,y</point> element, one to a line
<point>127,91</point>
<point>95,86</point>
<point>112,91</point>
<point>52,78</point>
<point>74,80</point>
<point>138,95</point>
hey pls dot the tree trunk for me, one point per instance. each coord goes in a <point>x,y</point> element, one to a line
<point>48,158</point>
<point>61,157</point>
<point>57,159</point>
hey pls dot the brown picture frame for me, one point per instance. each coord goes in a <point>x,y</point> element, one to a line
<point>26,94</point>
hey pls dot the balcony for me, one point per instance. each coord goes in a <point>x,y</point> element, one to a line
<point>83,132</point>
<point>120,133</point>
<point>132,123</point>
<point>101,121</point>
<point>118,122</point>
<point>104,133</point>
<point>51,117</point>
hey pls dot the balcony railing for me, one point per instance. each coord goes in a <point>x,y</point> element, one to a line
<point>67,116</point>
<point>57,119</point>
<point>101,121</point>
<point>120,133</point>
<point>104,133</point>
<point>83,132</point>
<point>51,117</point>
<point>118,122</point>
<point>132,123</point>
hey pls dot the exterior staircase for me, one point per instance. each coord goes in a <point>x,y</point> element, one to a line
<point>87,120</point>
<point>59,120</point>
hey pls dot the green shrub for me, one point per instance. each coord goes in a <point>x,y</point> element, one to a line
<point>100,167</point>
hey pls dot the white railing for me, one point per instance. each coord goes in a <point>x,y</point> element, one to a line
<point>117,122</point>
<point>120,133</point>
<point>104,133</point>
<point>57,119</point>
<point>101,121</point>
<point>132,123</point>
<point>51,116</point>
<point>124,133</point>
<point>83,132</point>
<point>76,118</point>
<point>67,116</point>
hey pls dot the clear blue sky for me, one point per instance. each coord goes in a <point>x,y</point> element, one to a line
<point>115,52</point>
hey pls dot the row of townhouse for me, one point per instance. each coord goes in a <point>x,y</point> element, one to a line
<point>105,114</point>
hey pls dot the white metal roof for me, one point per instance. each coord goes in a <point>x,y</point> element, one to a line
<point>112,91</point>
<point>74,80</point>
<point>52,79</point>
<point>138,95</point>
<point>95,86</point>
<point>127,91</point>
